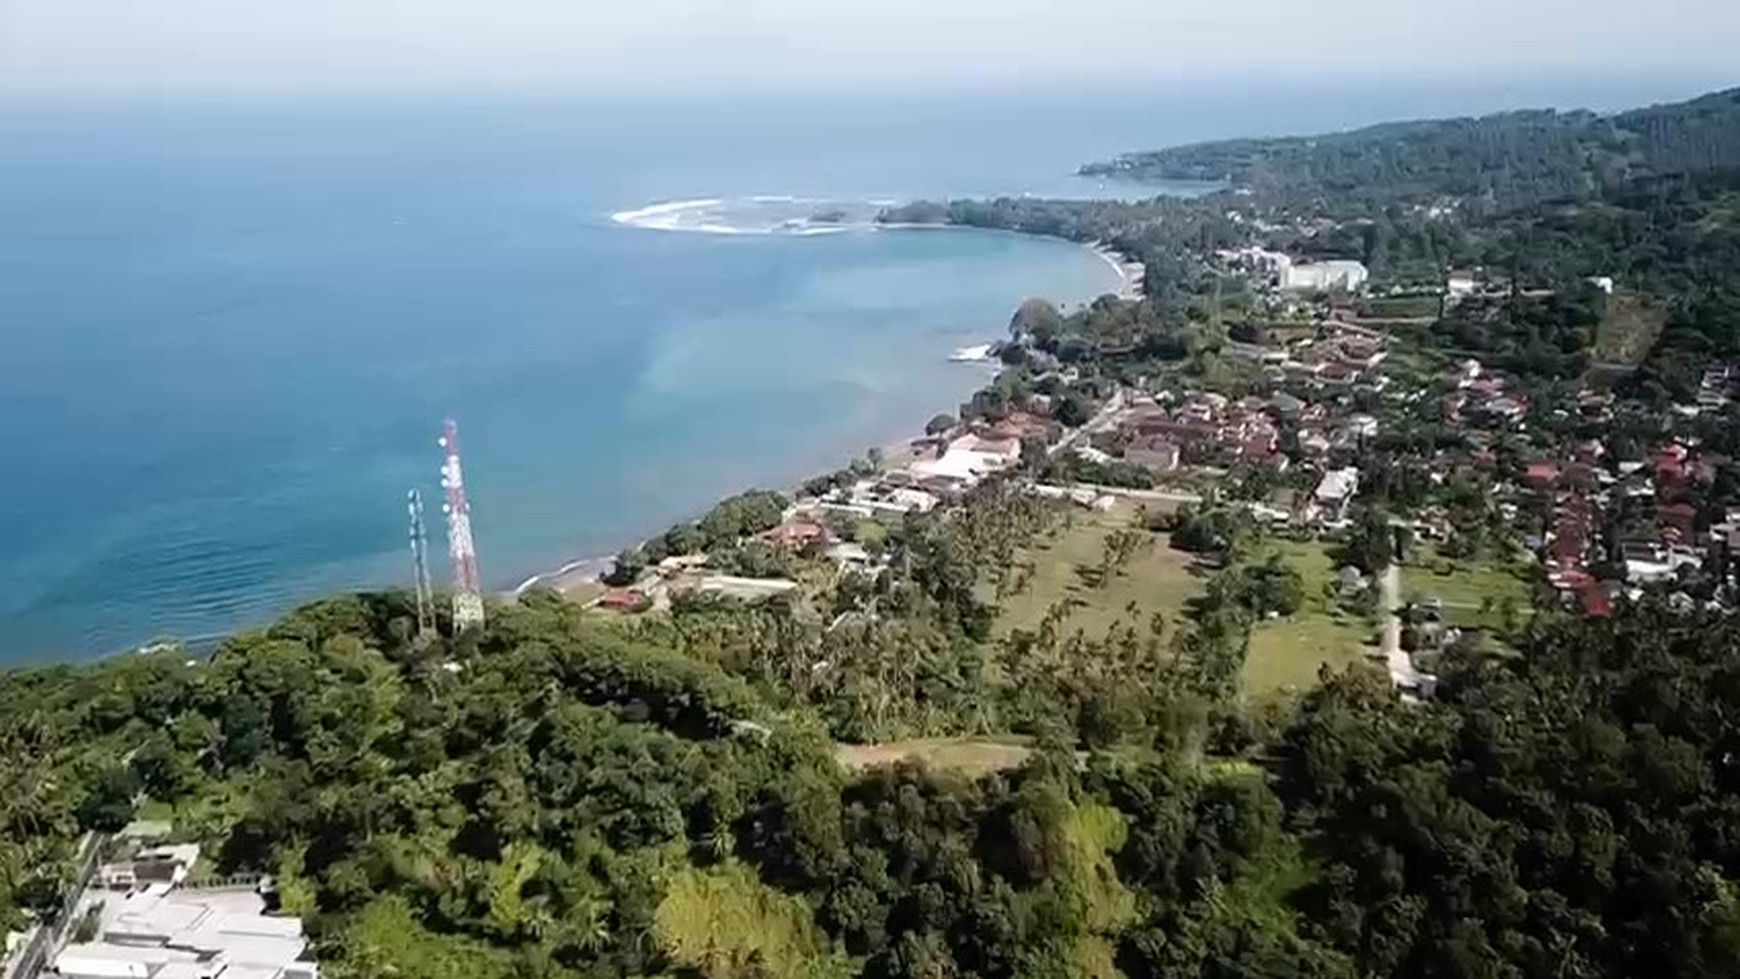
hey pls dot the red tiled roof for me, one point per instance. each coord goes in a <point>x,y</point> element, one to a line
<point>1541,472</point>
<point>624,598</point>
<point>1257,447</point>
<point>794,534</point>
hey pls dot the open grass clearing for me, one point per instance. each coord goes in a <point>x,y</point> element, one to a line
<point>1065,569</point>
<point>1400,307</point>
<point>969,756</point>
<point>1287,652</point>
<point>1628,330</point>
<point>1473,593</point>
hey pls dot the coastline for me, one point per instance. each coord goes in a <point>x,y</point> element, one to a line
<point>1130,272</point>
<point>585,572</point>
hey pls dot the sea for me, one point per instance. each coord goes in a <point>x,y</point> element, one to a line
<point>230,329</point>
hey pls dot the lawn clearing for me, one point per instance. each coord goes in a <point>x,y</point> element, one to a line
<point>1628,330</point>
<point>1406,308</point>
<point>1157,579</point>
<point>1287,652</point>
<point>969,756</point>
<point>584,592</point>
<point>1465,588</point>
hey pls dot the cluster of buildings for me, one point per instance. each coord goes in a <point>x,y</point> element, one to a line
<point>146,917</point>
<point>1343,357</point>
<point>941,468</point>
<point>1483,399</point>
<point>1620,526</point>
<point>1718,386</point>
<point>1200,428</point>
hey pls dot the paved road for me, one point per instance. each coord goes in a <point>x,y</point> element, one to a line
<point>46,943</point>
<point>1106,418</point>
<point>1402,671</point>
<point>1156,495</point>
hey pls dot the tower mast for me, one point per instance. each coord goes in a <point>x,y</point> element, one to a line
<point>467,592</point>
<point>420,558</point>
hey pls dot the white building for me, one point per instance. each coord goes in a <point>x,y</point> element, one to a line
<point>1335,489</point>
<point>1323,276</point>
<point>163,932</point>
<point>1257,260</point>
<point>969,459</point>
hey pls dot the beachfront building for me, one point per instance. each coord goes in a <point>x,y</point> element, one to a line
<point>1324,276</point>
<point>969,459</point>
<point>873,498</point>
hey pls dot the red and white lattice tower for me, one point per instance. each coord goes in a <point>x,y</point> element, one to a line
<point>467,592</point>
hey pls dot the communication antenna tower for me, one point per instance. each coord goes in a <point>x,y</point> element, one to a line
<point>420,558</point>
<point>467,592</point>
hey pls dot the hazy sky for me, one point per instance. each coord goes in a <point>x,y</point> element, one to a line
<point>238,46</point>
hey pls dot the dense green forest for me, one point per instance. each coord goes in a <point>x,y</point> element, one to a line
<point>1503,160</point>
<point>1544,200</point>
<point>552,797</point>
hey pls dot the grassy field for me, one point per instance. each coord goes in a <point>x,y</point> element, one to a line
<point>969,756</point>
<point>583,592</point>
<point>1466,588</point>
<point>1157,579</point>
<point>1283,653</point>
<point>1400,307</point>
<point>1629,329</point>
<point>1286,653</point>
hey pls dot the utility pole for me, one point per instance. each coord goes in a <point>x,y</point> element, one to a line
<point>420,558</point>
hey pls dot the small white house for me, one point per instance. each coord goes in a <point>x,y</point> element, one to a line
<point>1335,489</point>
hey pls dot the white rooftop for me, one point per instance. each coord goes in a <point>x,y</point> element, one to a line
<point>165,933</point>
<point>1338,485</point>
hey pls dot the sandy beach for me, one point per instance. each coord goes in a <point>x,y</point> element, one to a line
<point>1130,272</point>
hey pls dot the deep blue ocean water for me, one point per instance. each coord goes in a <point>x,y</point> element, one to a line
<point>231,331</point>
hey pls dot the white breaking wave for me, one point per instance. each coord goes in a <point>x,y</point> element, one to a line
<point>655,215</point>
<point>762,214</point>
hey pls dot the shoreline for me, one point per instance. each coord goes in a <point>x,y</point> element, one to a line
<point>589,570</point>
<point>1130,272</point>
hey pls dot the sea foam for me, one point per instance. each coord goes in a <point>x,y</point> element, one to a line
<point>762,214</point>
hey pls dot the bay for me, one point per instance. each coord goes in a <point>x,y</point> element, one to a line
<point>229,330</point>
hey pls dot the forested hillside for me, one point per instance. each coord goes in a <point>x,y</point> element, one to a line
<point>1506,160</point>
<point>552,798</point>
